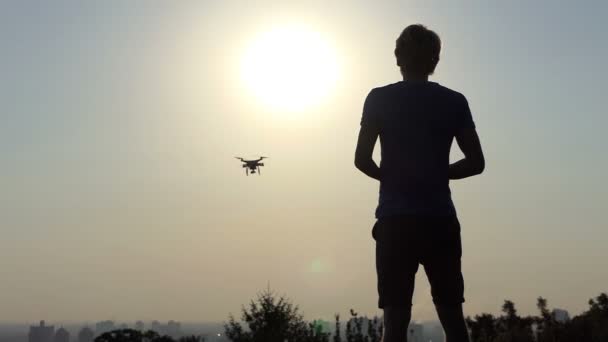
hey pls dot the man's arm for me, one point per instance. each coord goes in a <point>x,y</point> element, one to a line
<point>363,154</point>
<point>473,162</point>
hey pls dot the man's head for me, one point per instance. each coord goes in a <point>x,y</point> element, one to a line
<point>417,51</point>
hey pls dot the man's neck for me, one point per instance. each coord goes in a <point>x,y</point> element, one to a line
<point>416,78</point>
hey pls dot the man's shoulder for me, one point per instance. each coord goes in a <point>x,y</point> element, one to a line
<point>385,88</point>
<point>449,92</point>
<point>381,95</point>
<point>378,96</point>
<point>432,86</point>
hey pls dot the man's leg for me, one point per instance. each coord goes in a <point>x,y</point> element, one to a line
<point>443,268</point>
<point>396,266</point>
<point>396,322</point>
<point>452,320</point>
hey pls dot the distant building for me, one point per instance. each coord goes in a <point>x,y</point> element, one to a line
<point>173,329</point>
<point>86,335</point>
<point>139,325</point>
<point>433,331</point>
<point>322,326</point>
<point>104,326</point>
<point>62,335</point>
<point>415,333</point>
<point>560,315</point>
<point>156,326</point>
<point>41,333</point>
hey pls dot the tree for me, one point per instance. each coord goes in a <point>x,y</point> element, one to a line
<point>374,329</point>
<point>363,329</point>
<point>511,327</point>
<point>271,319</point>
<point>599,304</point>
<point>354,328</point>
<point>547,328</point>
<point>590,326</point>
<point>164,338</point>
<point>192,338</point>
<point>129,335</point>
<point>508,308</point>
<point>132,335</point>
<point>541,304</point>
<point>338,332</point>
<point>483,328</point>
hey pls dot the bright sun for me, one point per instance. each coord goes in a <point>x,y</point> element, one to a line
<point>290,68</point>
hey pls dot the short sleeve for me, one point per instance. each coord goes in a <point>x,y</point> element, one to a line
<point>370,108</point>
<point>465,118</point>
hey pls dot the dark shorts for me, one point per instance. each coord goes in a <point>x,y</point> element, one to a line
<point>404,242</point>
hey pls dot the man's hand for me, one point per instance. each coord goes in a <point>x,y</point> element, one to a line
<point>473,162</point>
<point>363,154</point>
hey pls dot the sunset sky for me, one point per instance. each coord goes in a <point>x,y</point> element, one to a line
<point>119,122</point>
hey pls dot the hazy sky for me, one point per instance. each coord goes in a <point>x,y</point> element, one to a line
<point>121,197</point>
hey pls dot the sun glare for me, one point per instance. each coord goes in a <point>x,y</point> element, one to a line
<point>290,68</point>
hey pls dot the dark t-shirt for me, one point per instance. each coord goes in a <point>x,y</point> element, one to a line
<point>417,122</point>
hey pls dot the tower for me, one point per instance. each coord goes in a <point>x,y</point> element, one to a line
<point>41,333</point>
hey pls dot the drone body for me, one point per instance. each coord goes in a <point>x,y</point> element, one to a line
<point>252,166</point>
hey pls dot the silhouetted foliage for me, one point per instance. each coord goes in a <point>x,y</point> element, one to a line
<point>338,331</point>
<point>192,338</point>
<point>483,328</point>
<point>132,335</point>
<point>374,330</point>
<point>272,320</point>
<point>129,335</point>
<point>513,327</point>
<point>590,326</point>
<point>547,328</point>
<point>355,331</point>
<point>164,339</point>
<point>507,328</point>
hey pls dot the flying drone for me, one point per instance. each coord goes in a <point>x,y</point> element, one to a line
<point>252,166</point>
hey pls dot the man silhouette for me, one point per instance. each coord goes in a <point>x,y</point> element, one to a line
<point>417,121</point>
